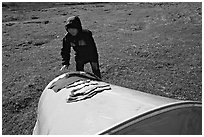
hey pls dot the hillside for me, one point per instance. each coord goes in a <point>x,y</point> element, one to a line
<point>150,47</point>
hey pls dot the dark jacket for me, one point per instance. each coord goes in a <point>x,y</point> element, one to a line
<point>83,43</point>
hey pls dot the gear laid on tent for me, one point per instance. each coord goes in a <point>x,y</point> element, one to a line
<point>70,78</point>
<point>84,89</point>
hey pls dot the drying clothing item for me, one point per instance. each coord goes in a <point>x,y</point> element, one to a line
<point>70,78</point>
<point>62,83</point>
<point>79,86</point>
<point>81,89</point>
<point>85,89</point>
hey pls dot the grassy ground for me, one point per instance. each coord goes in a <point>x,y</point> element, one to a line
<point>151,47</point>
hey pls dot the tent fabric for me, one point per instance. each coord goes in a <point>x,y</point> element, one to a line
<point>182,118</point>
<point>107,111</point>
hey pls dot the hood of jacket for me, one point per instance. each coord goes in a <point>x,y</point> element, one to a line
<point>73,22</point>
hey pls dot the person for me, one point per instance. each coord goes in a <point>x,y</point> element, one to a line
<point>81,40</point>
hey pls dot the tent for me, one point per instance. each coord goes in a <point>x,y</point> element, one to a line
<point>78,103</point>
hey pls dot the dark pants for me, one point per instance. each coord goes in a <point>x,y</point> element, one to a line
<point>94,66</point>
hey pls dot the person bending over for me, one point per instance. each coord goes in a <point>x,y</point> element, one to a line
<point>81,40</point>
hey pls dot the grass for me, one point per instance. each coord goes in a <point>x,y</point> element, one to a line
<point>150,47</point>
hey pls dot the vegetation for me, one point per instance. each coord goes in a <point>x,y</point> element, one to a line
<point>150,47</point>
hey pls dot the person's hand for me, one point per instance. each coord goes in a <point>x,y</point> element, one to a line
<point>64,67</point>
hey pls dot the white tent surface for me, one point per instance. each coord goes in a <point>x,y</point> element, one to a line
<point>111,110</point>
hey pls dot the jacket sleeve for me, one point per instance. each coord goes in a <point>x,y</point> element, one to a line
<point>65,52</point>
<point>93,45</point>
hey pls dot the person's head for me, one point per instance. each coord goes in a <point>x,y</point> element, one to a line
<point>73,25</point>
